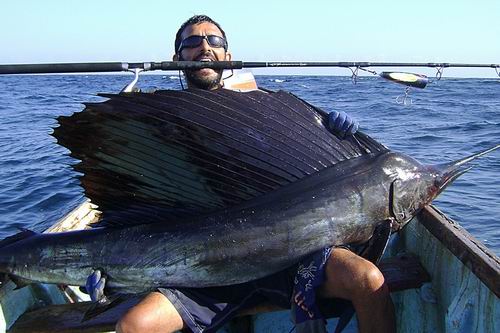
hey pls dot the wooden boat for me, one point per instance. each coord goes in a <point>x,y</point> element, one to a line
<point>441,278</point>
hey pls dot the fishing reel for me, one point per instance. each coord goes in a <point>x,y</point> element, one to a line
<point>131,86</point>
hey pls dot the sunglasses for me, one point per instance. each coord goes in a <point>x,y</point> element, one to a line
<point>195,41</point>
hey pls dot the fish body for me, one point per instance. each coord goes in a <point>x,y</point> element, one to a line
<point>341,204</point>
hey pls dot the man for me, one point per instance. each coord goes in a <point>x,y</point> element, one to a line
<point>346,275</point>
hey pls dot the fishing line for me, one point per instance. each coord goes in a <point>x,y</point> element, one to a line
<point>232,73</point>
<point>401,99</point>
<point>439,73</point>
<point>354,76</point>
<point>368,70</point>
<point>180,80</point>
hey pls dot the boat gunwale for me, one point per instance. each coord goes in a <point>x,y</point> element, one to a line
<point>470,251</point>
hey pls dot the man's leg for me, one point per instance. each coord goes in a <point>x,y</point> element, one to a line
<point>351,277</point>
<point>154,314</point>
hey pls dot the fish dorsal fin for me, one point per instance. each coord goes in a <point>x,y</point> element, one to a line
<point>148,157</point>
<point>23,234</point>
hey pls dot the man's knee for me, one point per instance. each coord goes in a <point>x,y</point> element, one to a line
<point>371,279</point>
<point>153,314</point>
<point>131,322</point>
<point>348,275</point>
<point>362,276</point>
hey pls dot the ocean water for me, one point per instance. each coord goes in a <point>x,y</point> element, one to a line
<point>448,120</point>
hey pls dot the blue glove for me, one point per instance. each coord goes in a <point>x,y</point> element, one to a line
<point>342,124</point>
<point>95,286</point>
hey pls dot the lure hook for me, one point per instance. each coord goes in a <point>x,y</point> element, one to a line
<point>405,99</point>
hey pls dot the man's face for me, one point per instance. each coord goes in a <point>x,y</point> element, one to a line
<point>205,78</point>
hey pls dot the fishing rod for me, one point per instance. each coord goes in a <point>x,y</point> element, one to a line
<point>102,67</point>
<point>407,79</point>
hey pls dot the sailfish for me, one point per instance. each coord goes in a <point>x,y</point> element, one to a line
<point>211,188</point>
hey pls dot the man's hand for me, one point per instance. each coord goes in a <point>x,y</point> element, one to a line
<point>342,124</point>
<point>95,286</point>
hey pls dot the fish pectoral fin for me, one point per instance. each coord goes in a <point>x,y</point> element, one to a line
<point>19,282</point>
<point>103,305</point>
<point>398,213</point>
<point>345,318</point>
<point>378,243</point>
<point>373,252</point>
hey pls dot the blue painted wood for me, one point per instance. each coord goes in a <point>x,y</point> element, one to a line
<point>15,302</point>
<point>455,300</point>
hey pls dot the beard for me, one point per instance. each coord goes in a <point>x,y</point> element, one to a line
<point>203,82</point>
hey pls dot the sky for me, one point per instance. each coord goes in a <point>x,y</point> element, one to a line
<point>356,30</point>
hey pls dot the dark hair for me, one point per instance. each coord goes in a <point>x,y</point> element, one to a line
<point>192,21</point>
